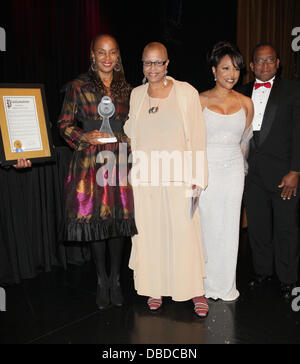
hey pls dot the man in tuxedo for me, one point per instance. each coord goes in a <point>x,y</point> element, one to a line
<point>272,185</point>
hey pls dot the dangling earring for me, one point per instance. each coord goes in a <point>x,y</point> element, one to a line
<point>94,66</point>
<point>118,67</point>
<point>216,78</point>
<point>165,80</point>
<point>144,80</point>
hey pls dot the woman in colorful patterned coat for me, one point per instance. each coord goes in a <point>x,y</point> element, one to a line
<point>98,213</point>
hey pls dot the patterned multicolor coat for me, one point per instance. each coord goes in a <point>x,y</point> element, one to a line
<point>95,211</point>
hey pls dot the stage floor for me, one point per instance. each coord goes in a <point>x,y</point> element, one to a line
<point>59,308</point>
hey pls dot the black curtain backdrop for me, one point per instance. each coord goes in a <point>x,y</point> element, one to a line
<point>30,219</point>
<point>48,42</point>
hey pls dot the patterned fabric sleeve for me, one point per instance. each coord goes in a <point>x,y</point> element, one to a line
<point>124,137</point>
<point>66,123</point>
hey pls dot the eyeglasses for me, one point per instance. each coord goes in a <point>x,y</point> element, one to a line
<point>270,60</point>
<point>155,63</point>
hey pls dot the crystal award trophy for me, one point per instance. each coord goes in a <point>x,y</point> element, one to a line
<point>106,109</point>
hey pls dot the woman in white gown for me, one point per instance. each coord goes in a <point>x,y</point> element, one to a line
<point>228,117</point>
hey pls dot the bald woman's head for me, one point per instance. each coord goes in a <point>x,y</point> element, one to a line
<point>155,63</point>
<point>156,47</point>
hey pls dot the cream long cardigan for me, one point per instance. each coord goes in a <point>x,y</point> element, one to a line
<point>194,126</point>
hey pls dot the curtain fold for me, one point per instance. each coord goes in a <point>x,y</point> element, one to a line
<point>269,21</point>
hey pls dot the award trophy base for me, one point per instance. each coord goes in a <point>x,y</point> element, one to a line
<point>108,140</point>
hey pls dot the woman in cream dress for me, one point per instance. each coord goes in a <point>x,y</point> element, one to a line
<point>165,116</point>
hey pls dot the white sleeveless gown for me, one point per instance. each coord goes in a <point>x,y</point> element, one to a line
<point>220,203</point>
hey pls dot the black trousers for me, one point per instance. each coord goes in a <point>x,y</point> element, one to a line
<point>273,228</point>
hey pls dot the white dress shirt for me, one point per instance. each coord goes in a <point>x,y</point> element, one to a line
<point>260,99</point>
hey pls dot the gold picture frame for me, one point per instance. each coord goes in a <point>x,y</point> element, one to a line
<point>24,124</point>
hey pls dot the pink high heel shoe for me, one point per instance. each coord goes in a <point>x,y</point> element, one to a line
<point>201,307</point>
<point>154,304</point>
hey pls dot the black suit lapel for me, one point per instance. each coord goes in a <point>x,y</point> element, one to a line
<point>249,89</point>
<point>270,112</point>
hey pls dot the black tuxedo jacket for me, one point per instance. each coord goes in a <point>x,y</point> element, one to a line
<point>277,152</point>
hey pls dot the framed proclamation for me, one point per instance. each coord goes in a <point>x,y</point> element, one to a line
<point>24,124</point>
